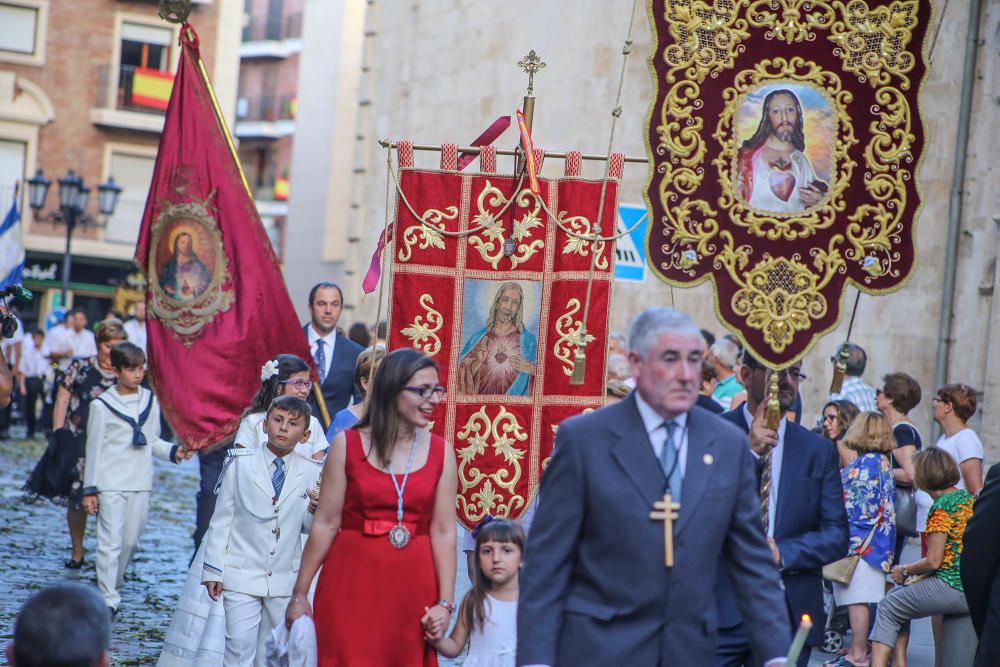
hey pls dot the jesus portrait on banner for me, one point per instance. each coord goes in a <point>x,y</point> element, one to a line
<point>772,171</point>
<point>500,357</point>
<point>184,276</point>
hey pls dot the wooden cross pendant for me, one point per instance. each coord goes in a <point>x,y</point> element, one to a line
<point>666,511</point>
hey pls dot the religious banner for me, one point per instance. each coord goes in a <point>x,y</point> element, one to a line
<point>491,281</point>
<point>785,139</point>
<point>218,307</point>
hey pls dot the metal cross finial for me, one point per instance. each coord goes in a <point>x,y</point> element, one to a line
<point>530,65</point>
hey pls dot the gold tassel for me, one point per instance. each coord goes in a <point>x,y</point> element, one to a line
<point>773,405</point>
<point>839,371</point>
<point>579,367</point>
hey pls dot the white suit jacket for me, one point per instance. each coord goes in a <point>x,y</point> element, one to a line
<point>113,462</point>
<point>252,545</point>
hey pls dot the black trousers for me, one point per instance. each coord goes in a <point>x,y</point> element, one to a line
<point>34,386</point>
<point>732,649</point>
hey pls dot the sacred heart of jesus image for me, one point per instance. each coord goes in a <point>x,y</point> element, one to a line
<point>188,269</point>
<point>499,337</point>
<point>784,133</point>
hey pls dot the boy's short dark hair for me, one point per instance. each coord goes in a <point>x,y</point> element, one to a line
<point>935,470</point>
<point>127,355</point>
<point>66,624</point>
<point>293,405</point>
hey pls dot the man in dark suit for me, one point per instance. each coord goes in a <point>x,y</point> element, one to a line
<point>799,475</point>
<point>595,589</point>
<point>334,354</point>
<point>980,564</point>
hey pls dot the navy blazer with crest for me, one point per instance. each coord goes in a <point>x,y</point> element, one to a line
<point>338,387</point>
<point>810,525</point>
<point>594,588</point>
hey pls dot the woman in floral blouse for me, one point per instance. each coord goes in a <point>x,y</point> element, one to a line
<point>940,591</point>
<point>869,498</point>
<point>59,473</point>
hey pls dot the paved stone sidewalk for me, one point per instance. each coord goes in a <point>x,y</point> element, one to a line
<point>35,542</point>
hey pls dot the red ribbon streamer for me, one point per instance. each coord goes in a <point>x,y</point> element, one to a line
<point>529,152</point>
<point>491,134</point>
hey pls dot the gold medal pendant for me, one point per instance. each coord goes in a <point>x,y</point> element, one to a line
<point>399,536</point>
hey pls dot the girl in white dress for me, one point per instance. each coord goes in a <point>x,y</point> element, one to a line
<point>487,617</point>
<point>197,634</point>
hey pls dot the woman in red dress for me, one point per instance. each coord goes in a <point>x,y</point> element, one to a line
<point>384,530</point>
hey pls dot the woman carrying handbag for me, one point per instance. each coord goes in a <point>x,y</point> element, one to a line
<point>869,498</point>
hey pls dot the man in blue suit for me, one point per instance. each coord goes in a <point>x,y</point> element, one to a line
<point>334,355</point>
<point>806,523</point>
<point>595,589</point>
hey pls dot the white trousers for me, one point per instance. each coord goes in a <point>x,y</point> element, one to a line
<point>121,518</point>
<point>249,621</point>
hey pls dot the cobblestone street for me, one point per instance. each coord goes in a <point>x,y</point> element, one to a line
<point>35,543</point>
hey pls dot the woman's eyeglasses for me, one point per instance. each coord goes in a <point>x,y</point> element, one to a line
<point>829,418</point>
<point>425,391</point>
<point>298,384</point>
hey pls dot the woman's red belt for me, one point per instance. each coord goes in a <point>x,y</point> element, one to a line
<point>379,527</point>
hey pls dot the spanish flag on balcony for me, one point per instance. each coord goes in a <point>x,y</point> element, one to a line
<point>281,188</point>
<point>151,88</point>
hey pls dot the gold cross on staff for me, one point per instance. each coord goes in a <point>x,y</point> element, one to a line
<point>666,511</point>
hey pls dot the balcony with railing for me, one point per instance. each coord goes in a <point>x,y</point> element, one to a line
<point>265,117</point>
<point>272,37</point>
<point>130,97</point>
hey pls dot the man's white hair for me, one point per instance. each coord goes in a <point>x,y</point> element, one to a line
<point>726,352</point>
<point>655,321</point>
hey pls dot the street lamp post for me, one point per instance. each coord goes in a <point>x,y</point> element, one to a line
<point>73,200</point>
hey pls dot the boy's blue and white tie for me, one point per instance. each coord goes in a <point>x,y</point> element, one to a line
<point>278,477</point>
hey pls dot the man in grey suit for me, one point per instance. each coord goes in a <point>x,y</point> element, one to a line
<point>595,589</point>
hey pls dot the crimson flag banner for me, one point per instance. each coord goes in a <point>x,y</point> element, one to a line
<point>490,280</point>
<point>784,140</point>
<point>218,307</point>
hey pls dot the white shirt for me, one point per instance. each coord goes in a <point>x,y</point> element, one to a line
<point>83,342</point>
<point>55,341</point>
<point>776,455</point>
<point>657,432</point>
<point>136,331</point>
<point>329,340</point>
<point>32,362</point>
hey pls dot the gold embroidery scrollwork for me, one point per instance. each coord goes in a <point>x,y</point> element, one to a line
<point>791,26</point>
<point>489,242</point>
<point>571,336</point>
<point>781,296</point>
<point>707,36</point>
<point>498,495</point>
<point>873,43</point>
<point>426,234</point>
<point>423,332</point>
<point>582,246</point>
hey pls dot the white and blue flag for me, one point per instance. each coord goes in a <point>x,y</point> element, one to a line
<point>11,247</point>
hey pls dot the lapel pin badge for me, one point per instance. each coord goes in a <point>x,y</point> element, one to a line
<point>708,459</point>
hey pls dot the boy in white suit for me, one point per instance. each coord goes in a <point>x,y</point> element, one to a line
<point>252,547</point>
<point>123,434</point>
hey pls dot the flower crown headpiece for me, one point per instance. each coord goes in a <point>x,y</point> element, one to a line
<point>269,370</point>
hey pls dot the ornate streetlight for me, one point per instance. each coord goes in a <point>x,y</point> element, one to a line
<point>73,199</point>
